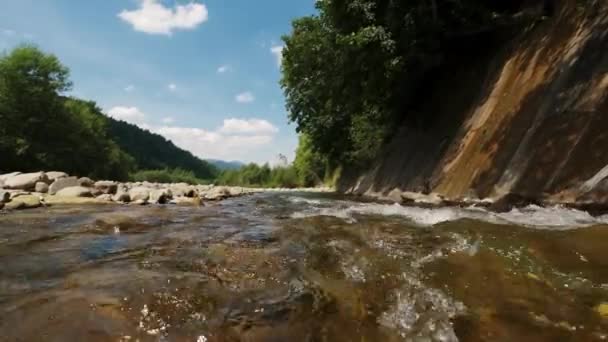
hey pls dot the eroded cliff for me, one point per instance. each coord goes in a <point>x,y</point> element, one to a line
<point>529,120</point>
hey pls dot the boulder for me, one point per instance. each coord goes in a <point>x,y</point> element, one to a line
<point>186,200</point>
<point>42,187</point>
<point>217,193</point>
<point>160,196</point>
<point>62,183</point>
<point>55,175</point>
<point>24,202</point>
<point>106,187</point>
<point>86,182</point>
<point>1,184</point>
<point>25,181</point>
<point>183,189</point>
<point>5,196</point>
<point>139,193</point>
<point>105,197</point>
<point>6,176</point>
<point>75,191</point>
<point>121,197</point>
<point>17,193</point>
<point>140,202</point>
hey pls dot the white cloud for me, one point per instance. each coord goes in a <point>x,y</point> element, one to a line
<point>255,126</point>
<point>154,18</point>
<point>8,32</point>
<point>172,87</point>
<point>224,68</point>
<point>236,139</point>
<point>129,114</point>
<point>277,51</point>
<point>168,120</point>
<point>245,97</point>
<point>129,88</point>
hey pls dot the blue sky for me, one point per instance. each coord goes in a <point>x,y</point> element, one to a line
<point>202,73</point>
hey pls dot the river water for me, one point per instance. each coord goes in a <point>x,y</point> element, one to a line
<point>302,267</point>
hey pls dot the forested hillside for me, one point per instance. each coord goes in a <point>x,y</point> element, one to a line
<point>152,151</point>
<point>41,129</point>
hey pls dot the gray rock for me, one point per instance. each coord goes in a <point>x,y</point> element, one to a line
<point>75,191</point>
<point>105,197</point>
<point>86,182</point>
<point>217,193</point>
<point>55,175</point>
<point>183,189</point>
<point>17,193</point>
<point>62,183</point>
<point>1,184</point>
<point>161,196</point>
<point>42,187</point>
<point>107,187</point>
<point>6,176</point>
<point>25,181</point>
<point>139,193</point>
<point>5,196</point>
<point>121,197</point>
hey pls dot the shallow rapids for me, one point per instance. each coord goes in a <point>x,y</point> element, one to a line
<point>302,267</point>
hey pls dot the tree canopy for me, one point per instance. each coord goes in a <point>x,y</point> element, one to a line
<point>350,71</point>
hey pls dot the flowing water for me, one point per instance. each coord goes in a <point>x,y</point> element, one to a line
<point>302,267</point>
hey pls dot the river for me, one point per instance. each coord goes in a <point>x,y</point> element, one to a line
<point>302,267</point>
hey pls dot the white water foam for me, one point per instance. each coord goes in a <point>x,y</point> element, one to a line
<point>533,216</point>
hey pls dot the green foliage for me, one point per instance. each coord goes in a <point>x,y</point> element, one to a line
<point>350,72</point>
<point>311,167</point>
<point>166,176</point>
<point>42,130</point>
<point>253,175</point>
<point>153,152</point>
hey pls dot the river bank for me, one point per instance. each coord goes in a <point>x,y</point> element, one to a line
<point>32,190</point>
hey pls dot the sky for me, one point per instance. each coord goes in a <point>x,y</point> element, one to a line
<point>202,73</point>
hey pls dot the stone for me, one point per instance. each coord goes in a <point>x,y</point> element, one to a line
<point>106,187</point>
<point>160,196</point>
<point>5,196</point>
<point>105,197</point>
<point>217,193</point>
<point>24,202</point>
<point>1,205</point>
<point>25,181</point>
<point>75,191</point>
<point>42,187</point>
<point>183,189</point>
<point>62,183</point>
<point>139,193</point>
<point>1,184</point>
<point>55,175</point>
<point>186,200</point>
<point>86,182</point>
<point>6,176</point>
<point>140,202</point>
<point>17,193</point>
<point>122,196</point>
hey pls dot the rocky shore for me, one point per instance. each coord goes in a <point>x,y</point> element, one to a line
<point>32,190</point>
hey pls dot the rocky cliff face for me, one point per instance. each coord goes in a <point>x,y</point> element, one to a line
<point>529,121</point>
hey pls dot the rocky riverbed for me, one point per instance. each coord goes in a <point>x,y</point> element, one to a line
<point>32,190</point>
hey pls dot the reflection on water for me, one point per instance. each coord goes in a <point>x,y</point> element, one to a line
<point>295,267</point>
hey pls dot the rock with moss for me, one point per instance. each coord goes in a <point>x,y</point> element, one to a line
<point>24,202</point>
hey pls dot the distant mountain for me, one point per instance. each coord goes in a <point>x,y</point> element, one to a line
<point>226,165</point>
<point>152,151</point>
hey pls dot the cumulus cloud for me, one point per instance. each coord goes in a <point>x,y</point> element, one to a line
<point>172,86</point>
<point>224,68</point>
<point>154,18</point>
<point>236,138</point>
<point>128,114</point>
<point>247,126</point>
<point>129,88</point>
<point>245,97</point>
<point>277,51</point>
